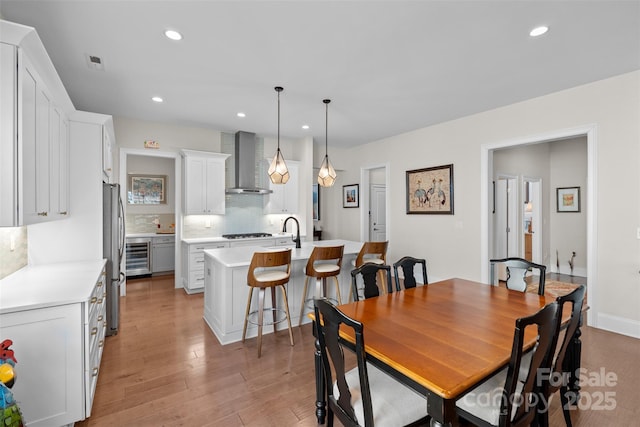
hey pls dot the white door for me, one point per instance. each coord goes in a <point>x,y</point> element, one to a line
<point>506,217</point>
<point>377,213</point>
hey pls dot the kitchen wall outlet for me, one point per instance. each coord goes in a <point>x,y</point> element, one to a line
<point>638,233</point>
<point>12,243</point>
<point>207,223</point>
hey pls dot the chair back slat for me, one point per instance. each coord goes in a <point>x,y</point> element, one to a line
<point>517,269</point>
<point>328,322</point>
<point>522,410</point>
<point>370,274</point>
<point>407,264</point>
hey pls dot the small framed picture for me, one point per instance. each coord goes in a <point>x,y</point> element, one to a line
<point>568,199</point>
<point>350,196</point>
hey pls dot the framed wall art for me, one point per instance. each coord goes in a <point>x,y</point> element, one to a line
<point>350,196</point>
<point>430,190</point>
<point>146,189</point>
<point>568,199</point>
<point>316,202</point>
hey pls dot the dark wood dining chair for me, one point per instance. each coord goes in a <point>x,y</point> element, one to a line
<point>558,380</point>
<point>370,252</point>
<point>363,396</point>
<point>503,400</point>
<point>407,264</point>
<point>517,269</point>
<point>370,274</point>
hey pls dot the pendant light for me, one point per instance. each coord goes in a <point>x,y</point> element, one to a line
<point>327,175</point>
<point>278,172</point>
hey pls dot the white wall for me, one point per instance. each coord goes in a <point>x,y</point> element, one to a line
<point>568,161</point>
<point>452,243</point>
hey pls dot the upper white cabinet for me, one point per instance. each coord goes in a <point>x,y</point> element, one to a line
<point>204,175</point>
<point>107,156</point>
<point>284,199</point>
<point>34,141</point>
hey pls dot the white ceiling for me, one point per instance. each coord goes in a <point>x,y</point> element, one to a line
<point>388,66</point>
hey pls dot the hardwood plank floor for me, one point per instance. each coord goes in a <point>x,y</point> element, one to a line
<point>166,368</point>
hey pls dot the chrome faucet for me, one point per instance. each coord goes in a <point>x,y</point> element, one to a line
<point>284,230</point>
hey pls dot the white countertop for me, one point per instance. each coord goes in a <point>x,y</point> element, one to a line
<point>190,240</point>
<point>134,235</point>
<point>241,256</point>
<point>49,285</point>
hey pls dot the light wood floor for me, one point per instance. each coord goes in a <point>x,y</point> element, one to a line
<point>166,368</point>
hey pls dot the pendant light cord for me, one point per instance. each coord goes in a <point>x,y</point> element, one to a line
<point>326,127</point>
<point>279,89</point>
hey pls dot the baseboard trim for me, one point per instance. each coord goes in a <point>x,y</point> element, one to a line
<point>619,325</point>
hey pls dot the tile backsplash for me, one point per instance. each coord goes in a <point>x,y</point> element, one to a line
<point>148,223</point>
<point>13,250</point>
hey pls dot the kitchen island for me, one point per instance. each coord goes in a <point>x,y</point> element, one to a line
<point>226,289</point>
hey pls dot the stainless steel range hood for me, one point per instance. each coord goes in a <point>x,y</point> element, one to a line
<point>245,166</point>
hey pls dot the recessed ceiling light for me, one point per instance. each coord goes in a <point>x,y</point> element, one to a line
<point>305,127</point>
<point>538,31</point>
<point>157,99</point>
<point>241,114</point>
<point>173,35</point>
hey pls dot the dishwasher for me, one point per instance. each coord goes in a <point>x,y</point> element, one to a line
<point>138,256</point>
<point>163,254</point>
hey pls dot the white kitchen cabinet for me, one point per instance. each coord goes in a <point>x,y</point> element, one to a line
<point>59,165</point>
<point>284,199</point>
<point>33,177</point>
<point>58,339</point>
<point>193,264</point>
<point>107,157</point>
<point>204,177</point>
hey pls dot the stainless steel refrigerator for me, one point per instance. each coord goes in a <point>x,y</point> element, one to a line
<point>113,250</point>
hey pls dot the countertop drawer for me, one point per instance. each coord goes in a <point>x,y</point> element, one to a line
<point>196,261</point>
<point>199,247</point>
<point>163,239</point>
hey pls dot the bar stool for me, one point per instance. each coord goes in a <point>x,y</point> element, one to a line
<point>373,252</point>
<point>269,275</point>
<point>324,262</point>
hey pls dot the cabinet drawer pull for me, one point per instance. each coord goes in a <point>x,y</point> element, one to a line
<point>100,301</point>
<point>63,213</point>
<point>99,284</point>
<point>95,372</point>
<point>101,343</point>
<point>200,260</point>
<point>94,330</point>
<point>100,318</point>
<point>93,300</point>
<point>42,213</point>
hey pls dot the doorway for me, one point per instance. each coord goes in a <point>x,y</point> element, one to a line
<point>486,207</point>
<point>532,219</point>
<point>378,175</point>
<point>133,153</point>
<point>377,213</point>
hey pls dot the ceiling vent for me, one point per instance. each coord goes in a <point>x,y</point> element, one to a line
<point>95,62</point>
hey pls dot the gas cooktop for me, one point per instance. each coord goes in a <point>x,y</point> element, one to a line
<point>246,235</point>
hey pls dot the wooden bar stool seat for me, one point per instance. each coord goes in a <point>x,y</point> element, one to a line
<point>324,262</point>
<point>268,270</point>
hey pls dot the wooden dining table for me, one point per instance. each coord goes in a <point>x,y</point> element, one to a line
<point>441,339</point>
